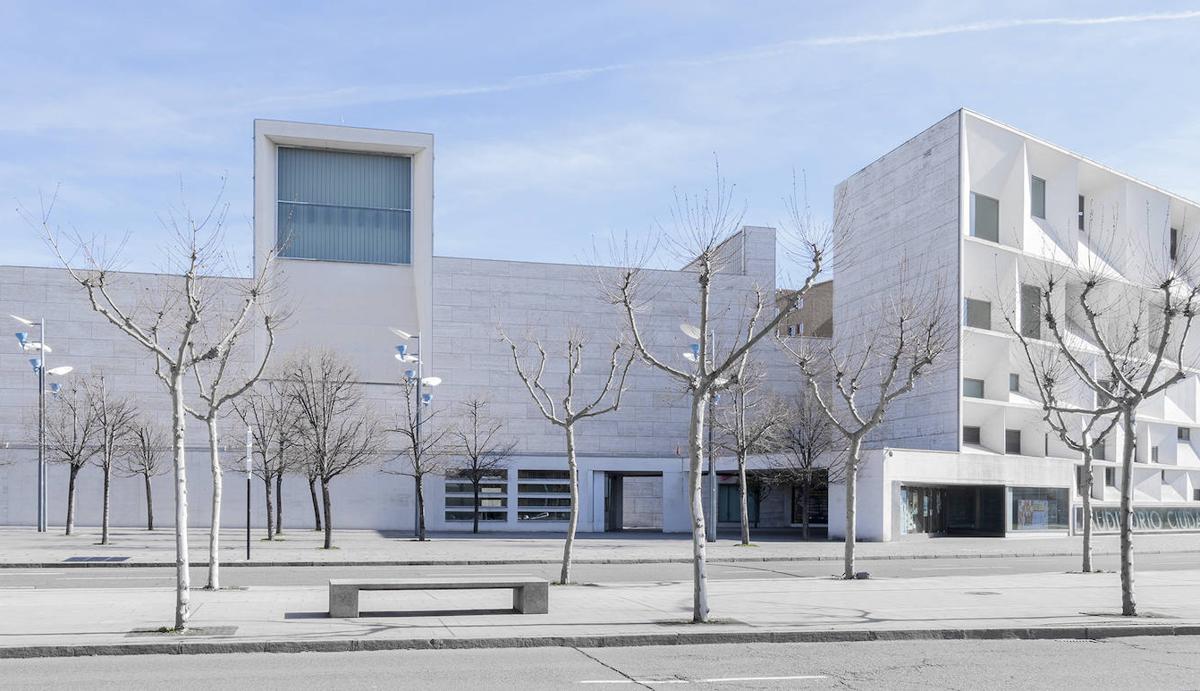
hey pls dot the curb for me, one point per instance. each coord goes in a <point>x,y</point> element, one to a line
<point>510,562</point>
<point>600,640</point>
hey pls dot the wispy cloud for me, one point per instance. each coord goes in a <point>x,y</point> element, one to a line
<point>359,95</point>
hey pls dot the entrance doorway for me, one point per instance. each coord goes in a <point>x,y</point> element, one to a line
<point>633,501</point>
<point>952,510</point>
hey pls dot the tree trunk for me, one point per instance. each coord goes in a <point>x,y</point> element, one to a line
<point>853,453</point>
<point>743,491</point>
<point>71,499</point>
<point>807,496</point>
<point>104,518</point>
<point>475,514</point>
<point>573,473</point>
<point>1087,504</point>
<point>420,485</point>
<point>312,491</point>
<point>183,580</point>
<point>269,505</point>
<point>328,516</point>
<point>214,529</point>
<point>695,487</point>
<point>278,503</point>
<point>149,503</point>
<point>1128,602</point>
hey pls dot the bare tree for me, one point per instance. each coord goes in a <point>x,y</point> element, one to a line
<point>700,229</point>
<point>336,432</point>
<point>807,454</point>
<point>170,326</point>
<point>72,437</point>
<point>269,411</point>
<point>478,442</point>
<point>751,424</point>
<point>570,414</point>
<point>426,445</point>
<point>219,382</point>
<point>144,459</point>
<point>1135,326</point>
<point>116,422</point>
<point>911,329</point>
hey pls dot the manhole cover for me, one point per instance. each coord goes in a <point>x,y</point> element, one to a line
<point>196,631</point>
<point>94,559</point>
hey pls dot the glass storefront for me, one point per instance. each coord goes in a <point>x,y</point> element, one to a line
<point>1039,509</point>
<point>952,510</point>
<point>923,510</point>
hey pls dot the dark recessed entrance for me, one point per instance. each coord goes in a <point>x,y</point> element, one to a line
<point>952,510</point>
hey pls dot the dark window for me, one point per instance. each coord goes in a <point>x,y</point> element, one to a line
<point>1103,399</point>
<point>1037,197</point>
<point>1184,433</point>
<point>985,217</point>
<point>1174,244</point>
<point>1154,454</point>
<point>1012,441</point>
<point>484,502</point>
<point>818,499</point>
<point>1081,205</point>
<point>1031,311</point>
<point>543,475</point>
<point>1110,477</point>
<point>1196,495</point>
<point>1098,452</point>
<point>1014,382</point>
<point>498,516</point>
<point>977,313</point>
<point>1080,479</point>
<point>525,502</point>
<point>973,388</point>
<point>1162,474</point>
<point>970,435</point>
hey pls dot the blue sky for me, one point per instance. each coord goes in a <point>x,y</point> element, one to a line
<point>557,123</point>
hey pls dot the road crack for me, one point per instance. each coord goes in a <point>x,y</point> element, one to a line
<point>602,663</point>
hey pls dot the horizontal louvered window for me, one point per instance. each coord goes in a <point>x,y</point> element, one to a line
<point>344,206</point>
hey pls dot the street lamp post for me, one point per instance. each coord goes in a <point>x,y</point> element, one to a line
<point>249,470</point>
<point>40,369</point>
<point>423,399</point>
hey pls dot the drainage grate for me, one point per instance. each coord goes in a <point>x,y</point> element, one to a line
<point>94,559</point>
<point>197,631</point>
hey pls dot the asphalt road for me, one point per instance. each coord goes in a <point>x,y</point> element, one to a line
<point>1130,663</point>
<point>110,577</point>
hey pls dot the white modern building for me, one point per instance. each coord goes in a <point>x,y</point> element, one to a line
<point>990,211</point>
<point>352,212</point>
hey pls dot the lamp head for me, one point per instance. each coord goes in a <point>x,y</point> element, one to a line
<point>55,387</point>
<point>36,363</point>
<point>695,349</point>
<point>409,374</point>
<point>426,398</point>
<point>402,349</point>
<point>22,338</point>
<point>400,332</point>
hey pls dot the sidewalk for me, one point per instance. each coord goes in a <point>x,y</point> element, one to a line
<point>35,622</point>
<point>25,548</point>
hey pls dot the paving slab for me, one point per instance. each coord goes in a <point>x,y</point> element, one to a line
<point>25,548</point>
<point>37,622</point>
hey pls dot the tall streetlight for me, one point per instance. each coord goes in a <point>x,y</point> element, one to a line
<point>423,399</point>
<point>41,370</point>
<point>693,355</point>
<point>249,473</point>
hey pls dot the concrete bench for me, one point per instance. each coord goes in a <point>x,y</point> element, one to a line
<point>530,595</point>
